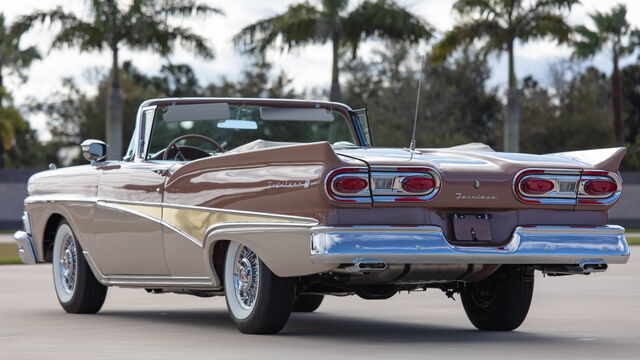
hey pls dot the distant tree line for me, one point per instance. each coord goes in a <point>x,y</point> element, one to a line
<point>575,108</point>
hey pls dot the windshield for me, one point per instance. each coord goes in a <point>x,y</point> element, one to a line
<point>232,126</point>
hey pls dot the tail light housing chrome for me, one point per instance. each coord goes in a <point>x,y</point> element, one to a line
<point>348,185</point>
<point>599,188</point>
<point>398,184</point>
<point>382,184</point>
<point>567,187</point>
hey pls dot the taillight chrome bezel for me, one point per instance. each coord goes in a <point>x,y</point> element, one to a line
<point>587,199</point>
<point>563,191</point>
<point>568,189</point>
<point>361,197</point>
<point>394,192</point>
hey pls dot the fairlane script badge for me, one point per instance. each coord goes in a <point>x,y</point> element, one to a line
<point>288,184</point>
<point>461,196</point>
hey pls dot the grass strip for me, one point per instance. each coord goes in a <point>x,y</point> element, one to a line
<point>9,254</point>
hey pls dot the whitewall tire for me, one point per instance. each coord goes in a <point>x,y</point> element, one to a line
<point>259,302</point>
<point>77,289</point>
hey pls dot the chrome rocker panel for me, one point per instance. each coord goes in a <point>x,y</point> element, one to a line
<point>26,250</point>
<point>534,245</point>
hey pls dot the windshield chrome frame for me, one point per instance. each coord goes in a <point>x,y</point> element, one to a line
<point>152,104</point>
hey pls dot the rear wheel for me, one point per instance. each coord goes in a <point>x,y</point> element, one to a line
<point>500,303</point>
<point>77,289</point>
<point>307,303</point>
<point>259,301</point>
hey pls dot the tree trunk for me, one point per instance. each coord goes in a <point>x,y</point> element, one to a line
<point>615,102</point>
<point>1,140</point>
<point>2,90</point>
<point>1,153</point>
<point>336,94</point>
<point>512,121</point>
<point>113,123</point>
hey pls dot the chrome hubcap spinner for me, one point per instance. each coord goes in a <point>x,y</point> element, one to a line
<point>68,264</point>
<point>246,272</point>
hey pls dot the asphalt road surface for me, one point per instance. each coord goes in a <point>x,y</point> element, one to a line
<point>575,317</point>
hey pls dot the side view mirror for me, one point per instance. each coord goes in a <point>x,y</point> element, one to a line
<point>94,150</point>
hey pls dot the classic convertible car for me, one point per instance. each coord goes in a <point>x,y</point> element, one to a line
<point>276,203</point>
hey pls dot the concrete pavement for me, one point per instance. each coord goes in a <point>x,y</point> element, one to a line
<point>573,317</point>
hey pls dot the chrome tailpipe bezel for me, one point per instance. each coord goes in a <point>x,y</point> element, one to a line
<point>581,267</point>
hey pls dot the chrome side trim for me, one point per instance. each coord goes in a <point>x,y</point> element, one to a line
<point>427,245</point>
<point>26,250</point>
<point>114,205</point>
<point>51,198</point>
<point>202,208</point>
<point>149,281</point>
<point>285,220</point>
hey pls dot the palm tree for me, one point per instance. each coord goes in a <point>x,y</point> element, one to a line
<point>142,25</point>
<point>10,122</point>
<point>612,32</point>
<point>306,23</point>
<point>497,25</point>
<point>13,61</point>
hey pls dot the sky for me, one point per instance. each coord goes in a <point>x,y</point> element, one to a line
<point>309,67</point>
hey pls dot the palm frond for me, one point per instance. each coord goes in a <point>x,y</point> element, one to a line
<point>185,8</point>
<point>586,42</point>
<point>26,22</point>
<point>489,31</point>
<point>544,24</point>
<point>86,36</point>
<point>162,38</point>
<point>334,7</point>
<point>484,8</point>
<point>384,19</point>
<point>298,26</point>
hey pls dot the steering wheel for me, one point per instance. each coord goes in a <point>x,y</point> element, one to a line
<point>172,147</point>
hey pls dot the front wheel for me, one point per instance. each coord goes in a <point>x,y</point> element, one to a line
<point>259,301</point>
<point>77,289</point>
<point>502,302</point>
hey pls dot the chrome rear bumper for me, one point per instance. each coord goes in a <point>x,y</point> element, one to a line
<point>533,245</point>
<point>26,250</point>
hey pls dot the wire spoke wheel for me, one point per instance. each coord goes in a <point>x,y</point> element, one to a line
<point>246,277</point>
<point>68,264</point>
<point>258,300</point>
<point>77,289</point>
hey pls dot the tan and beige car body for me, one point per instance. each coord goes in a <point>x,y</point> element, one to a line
<point>164,225</point>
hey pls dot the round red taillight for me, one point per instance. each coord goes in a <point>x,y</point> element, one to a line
<point>349,184</point>
<point>418,184</point>
<point>600,187</point>
<point>537,186</point>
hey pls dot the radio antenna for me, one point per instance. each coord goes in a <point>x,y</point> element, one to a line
<point>412,144</point>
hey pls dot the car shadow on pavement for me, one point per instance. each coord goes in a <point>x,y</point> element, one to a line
<point>344,329</point>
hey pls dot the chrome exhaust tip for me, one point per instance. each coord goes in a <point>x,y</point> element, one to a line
<point>360,265</point>
<point>582,266</point>
<point>592,265</point>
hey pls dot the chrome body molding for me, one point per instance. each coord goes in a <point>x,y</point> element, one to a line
<point>196,220</point>
<point>428,245</point>
<point>148,281</point>
<point>26,248</point>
